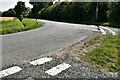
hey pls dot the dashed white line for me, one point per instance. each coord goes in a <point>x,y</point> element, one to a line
<point>103,32</point>
<point>40,61</point>
<point>113,33</point>
<point>59,68</point>
<point>9,71</point>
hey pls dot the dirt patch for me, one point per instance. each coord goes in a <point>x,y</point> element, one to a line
<point>83,47</point>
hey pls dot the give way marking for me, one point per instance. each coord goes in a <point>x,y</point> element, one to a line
<point>9,71</point>
<point>40,61</point>
<point>59,68</point>
<point>113,33</point>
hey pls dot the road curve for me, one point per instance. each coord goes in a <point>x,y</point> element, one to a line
<point>19,48</point>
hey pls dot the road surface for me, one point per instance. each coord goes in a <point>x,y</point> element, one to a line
<point>20,48</point>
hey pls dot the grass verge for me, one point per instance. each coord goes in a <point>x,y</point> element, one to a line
<point>15,25</point>
<point>105,56</point>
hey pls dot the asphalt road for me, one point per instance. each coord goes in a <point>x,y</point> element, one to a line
<point>20,48</point>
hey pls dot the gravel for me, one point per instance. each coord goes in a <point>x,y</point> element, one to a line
<point>78,69</point>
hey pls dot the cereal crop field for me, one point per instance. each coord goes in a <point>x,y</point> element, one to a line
<point>5,19</point>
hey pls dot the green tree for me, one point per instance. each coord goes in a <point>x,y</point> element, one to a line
<point>90,9</point>
<point>0,13</point>
<point>27,12</point>
<point>65,11</point>
<point>37,7</point>
<point>114,15</point>
<point>102,12</point>
<point>20,8</point>
<point>9,13</point>
<point>83,12</point>
<point>5,13</point>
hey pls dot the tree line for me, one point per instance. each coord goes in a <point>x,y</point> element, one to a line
<point>75,12</point>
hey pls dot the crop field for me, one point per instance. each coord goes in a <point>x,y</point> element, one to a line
<point>5,19</point>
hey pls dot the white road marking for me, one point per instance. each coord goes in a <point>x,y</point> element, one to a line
<point>113,33</point>
<point>103,32</point>
<point>59,68</point>
<point>40,61</point>
<point>9,71</point>
<point>30,78</point>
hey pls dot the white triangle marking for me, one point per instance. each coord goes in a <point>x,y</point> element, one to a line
<point>9,71</point>
<point>56,70</point>
<point>40,61</point>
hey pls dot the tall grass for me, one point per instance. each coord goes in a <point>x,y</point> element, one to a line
<point>105,56</point>
<point>17,26</point>
<point>31,24</point>
<point>11,26</point>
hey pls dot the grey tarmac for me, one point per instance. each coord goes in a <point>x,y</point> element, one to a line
<point>20,48</point>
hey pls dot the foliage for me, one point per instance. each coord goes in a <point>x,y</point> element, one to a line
<point>26,14</point>
<point>20,9</point>
<point>114,15</point>
<point>102,12</point>
<point>76,12</point>
<point>82,12</point>
<point>105,56</point>
<point>0,13</point>
<point>20,17</point>
<point>37,6</point>
<point>17,26</point>
<point>64,11</point>
<point>10,13</point>
<point>31,24</point>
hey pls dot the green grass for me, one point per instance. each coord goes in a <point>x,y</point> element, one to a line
<point>17,26</point>
<point>31,24</point>
<point>105,56</point>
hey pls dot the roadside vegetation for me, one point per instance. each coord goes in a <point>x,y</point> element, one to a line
<point>72,12</point>
<point>84,13</point>
<point>13,25</point>
<point>104,56</point>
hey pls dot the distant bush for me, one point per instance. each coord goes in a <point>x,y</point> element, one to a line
<point>9,13</point>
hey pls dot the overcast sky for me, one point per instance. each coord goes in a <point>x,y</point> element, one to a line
<point>7,4</point>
